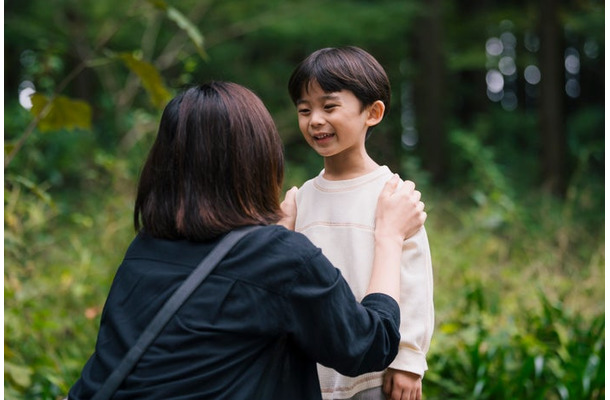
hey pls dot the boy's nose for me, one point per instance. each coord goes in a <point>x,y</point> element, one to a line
<point>316,119</point>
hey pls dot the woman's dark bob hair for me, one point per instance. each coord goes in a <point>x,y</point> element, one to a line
<point>217,164</point>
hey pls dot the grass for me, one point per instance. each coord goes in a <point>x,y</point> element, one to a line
<point>519,295</point>
<point>519,290</point>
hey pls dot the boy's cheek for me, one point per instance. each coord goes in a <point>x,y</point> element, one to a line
<point>303,129</point>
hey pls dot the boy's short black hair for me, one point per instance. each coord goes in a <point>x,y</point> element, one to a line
<point>342,68</point>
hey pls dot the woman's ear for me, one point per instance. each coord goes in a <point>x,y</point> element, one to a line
<point>375,111</point>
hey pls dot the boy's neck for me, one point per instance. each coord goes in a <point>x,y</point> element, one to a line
<point>337,169</point>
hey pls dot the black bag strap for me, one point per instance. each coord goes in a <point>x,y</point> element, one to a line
<point>166,312</point>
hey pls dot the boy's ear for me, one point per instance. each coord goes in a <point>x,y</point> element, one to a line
<point>375,111</point>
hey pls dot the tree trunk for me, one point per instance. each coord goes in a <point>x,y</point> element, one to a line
<point>429,90</point>
<point>552,125</point>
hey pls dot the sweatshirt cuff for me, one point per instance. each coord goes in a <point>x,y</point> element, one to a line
<point>410,360</point>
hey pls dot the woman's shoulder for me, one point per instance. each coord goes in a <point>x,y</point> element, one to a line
<point>272,257</point>
<point>278,245</point>
<point>279,238</point>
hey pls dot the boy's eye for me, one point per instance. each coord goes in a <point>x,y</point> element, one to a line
<point>303,110</point>
<point>329,106</point>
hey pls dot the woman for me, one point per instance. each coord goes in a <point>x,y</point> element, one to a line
<point>274,306</point>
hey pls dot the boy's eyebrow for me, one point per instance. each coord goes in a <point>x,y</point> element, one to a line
<point>328,96</point>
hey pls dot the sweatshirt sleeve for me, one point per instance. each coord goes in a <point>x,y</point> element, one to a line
<point>416,305</point>
<point>331,327</point>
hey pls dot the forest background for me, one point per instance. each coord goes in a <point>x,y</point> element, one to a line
<point>497,115</point>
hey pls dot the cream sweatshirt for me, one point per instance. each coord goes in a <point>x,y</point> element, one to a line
<point>339,218</point>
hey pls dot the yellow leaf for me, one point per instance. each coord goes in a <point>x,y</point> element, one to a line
<point>8,148</point>
<point>19,374</point>
<point>63,113</point>
<point>150,77</point>
<point>160,4</point>
<point>449,328</point>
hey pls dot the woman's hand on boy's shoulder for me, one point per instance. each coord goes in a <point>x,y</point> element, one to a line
<point>289,209</point>
<point>400,209</point>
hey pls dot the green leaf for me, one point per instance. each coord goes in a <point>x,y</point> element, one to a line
<point>39,191</point>
<point>183,23</point>
<point>191,30</point>
<point>150,77</point>
<point>63,113</point>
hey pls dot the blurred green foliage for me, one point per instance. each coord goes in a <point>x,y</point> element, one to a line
<point>518,272</point>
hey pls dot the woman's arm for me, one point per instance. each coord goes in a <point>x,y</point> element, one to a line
<point>400,214</point>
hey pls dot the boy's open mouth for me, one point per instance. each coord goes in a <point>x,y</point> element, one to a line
<point>323,136</point>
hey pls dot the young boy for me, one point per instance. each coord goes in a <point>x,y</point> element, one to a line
<point>340,95</point>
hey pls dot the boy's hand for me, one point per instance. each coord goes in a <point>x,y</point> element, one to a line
<point>400,213</point>
<point>401,385</point>
<point>289,209</point>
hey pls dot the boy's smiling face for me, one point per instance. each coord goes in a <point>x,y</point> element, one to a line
<point>333,123</point>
